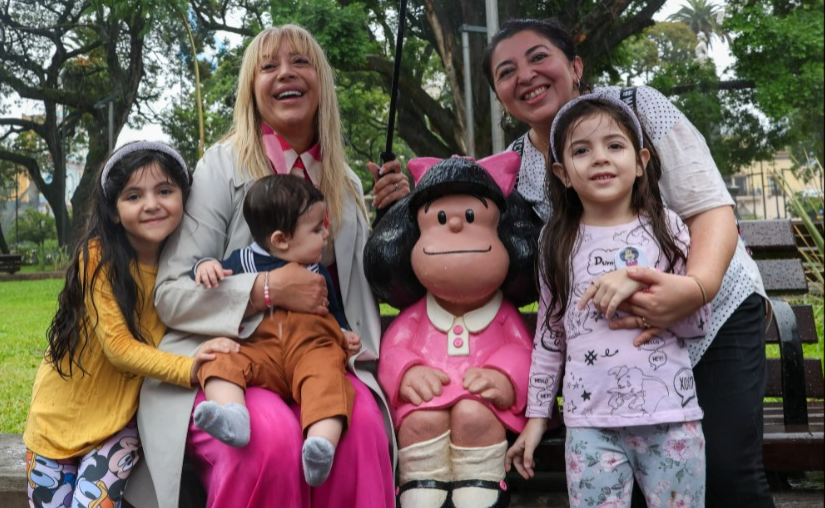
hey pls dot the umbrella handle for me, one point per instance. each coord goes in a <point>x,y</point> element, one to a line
<point>386,157</point>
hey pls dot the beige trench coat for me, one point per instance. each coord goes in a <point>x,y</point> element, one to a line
<point>213,227</point>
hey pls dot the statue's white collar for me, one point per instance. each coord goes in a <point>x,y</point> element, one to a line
<point>475,320</point>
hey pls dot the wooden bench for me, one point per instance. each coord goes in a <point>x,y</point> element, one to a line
<point>793,427</point>
<point>10,263</point>
<point>793,437</point>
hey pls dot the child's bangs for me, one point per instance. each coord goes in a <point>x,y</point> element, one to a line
<point>162,172</point>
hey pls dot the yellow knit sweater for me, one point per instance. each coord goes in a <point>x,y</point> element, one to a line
<point>70,416</point>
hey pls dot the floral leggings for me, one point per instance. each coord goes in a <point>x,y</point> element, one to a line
<point>94,480</point>
<point>668,461</point>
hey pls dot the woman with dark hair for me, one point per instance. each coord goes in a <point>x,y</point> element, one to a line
<point>533,68</point>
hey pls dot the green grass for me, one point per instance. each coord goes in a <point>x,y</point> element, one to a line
<point>27,308</point>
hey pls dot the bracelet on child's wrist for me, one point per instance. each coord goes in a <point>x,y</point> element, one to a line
<point>267,299</point>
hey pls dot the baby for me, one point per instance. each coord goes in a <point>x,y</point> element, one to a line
<point>297,355</point>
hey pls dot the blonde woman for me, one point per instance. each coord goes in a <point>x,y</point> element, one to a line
<point>286,121</point>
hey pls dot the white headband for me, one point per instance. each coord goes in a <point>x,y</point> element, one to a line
<point>591,97</point>
<point>155,146</point>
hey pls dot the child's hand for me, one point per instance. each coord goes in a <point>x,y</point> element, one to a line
<point>206,352</point>
<point>420,384</point>
<point>210,272</point>
<point>353,342</point>
<point>521,453</point>
<point>609,290</point>
<point>490,385</point>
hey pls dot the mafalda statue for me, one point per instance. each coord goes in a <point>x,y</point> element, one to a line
<point>457,256</point>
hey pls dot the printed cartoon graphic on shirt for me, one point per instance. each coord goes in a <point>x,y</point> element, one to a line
<point>542,382</point>
<point>686,329</point>
<point>630,256</point>
<point>635,393</point>
<point>638,236</point>
<point>551,339</point>
<point>685,386</point>
<point>600,262</point>
<point>573,384</point>
<point>657,357</point>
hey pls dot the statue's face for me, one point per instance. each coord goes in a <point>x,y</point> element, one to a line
<point>459,256</point>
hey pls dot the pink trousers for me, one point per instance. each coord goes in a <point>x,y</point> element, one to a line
<point>267,472</point>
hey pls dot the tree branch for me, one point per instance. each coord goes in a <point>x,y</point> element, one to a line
<point>736,84</point>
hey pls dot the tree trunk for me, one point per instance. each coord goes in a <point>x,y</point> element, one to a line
<point>4,246</point>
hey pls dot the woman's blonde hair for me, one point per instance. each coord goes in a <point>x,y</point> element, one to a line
<point>246,128</point>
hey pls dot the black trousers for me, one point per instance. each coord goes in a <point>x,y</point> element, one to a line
<point>730,384</point>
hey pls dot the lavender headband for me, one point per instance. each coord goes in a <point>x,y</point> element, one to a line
<point>155,146</point>
<point>590,97</point>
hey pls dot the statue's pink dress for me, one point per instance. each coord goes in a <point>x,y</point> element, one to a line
<point>493,336</point>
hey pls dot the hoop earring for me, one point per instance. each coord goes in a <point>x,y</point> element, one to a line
<point>507,121</point>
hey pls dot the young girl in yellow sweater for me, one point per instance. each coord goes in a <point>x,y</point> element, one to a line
<point>81,435</point>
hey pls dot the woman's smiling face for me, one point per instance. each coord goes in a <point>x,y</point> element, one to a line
<point>459,256</point>
<point>533,78</point>
<point>286,92</point>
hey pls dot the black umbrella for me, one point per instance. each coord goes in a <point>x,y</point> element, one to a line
<point>388,155</point>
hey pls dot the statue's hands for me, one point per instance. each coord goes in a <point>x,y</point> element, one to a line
<point>490,385</point>
<point>421,384</point>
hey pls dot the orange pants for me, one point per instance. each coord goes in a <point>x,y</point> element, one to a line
<point>297,355</point>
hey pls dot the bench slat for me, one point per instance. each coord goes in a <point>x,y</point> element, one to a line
<point>794,447</point>
<point>814,384</point>
<point>783,276</point>
<point>766,236</point>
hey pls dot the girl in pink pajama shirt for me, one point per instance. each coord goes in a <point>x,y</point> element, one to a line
<point>630,410</point>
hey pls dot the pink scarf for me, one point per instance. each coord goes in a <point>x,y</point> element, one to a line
<point>285,160</point>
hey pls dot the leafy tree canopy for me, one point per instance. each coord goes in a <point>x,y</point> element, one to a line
<point>73,55</point>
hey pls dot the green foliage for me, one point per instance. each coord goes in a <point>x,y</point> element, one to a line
<point>342,30</point>
<point>702,16</point>
<point>776,100</point>
<point>675,41</point>
<point>779,46</point>
<point>36,227</point>
<point>809,206</point>
<point>734,133</point>
<point>813,254</point>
